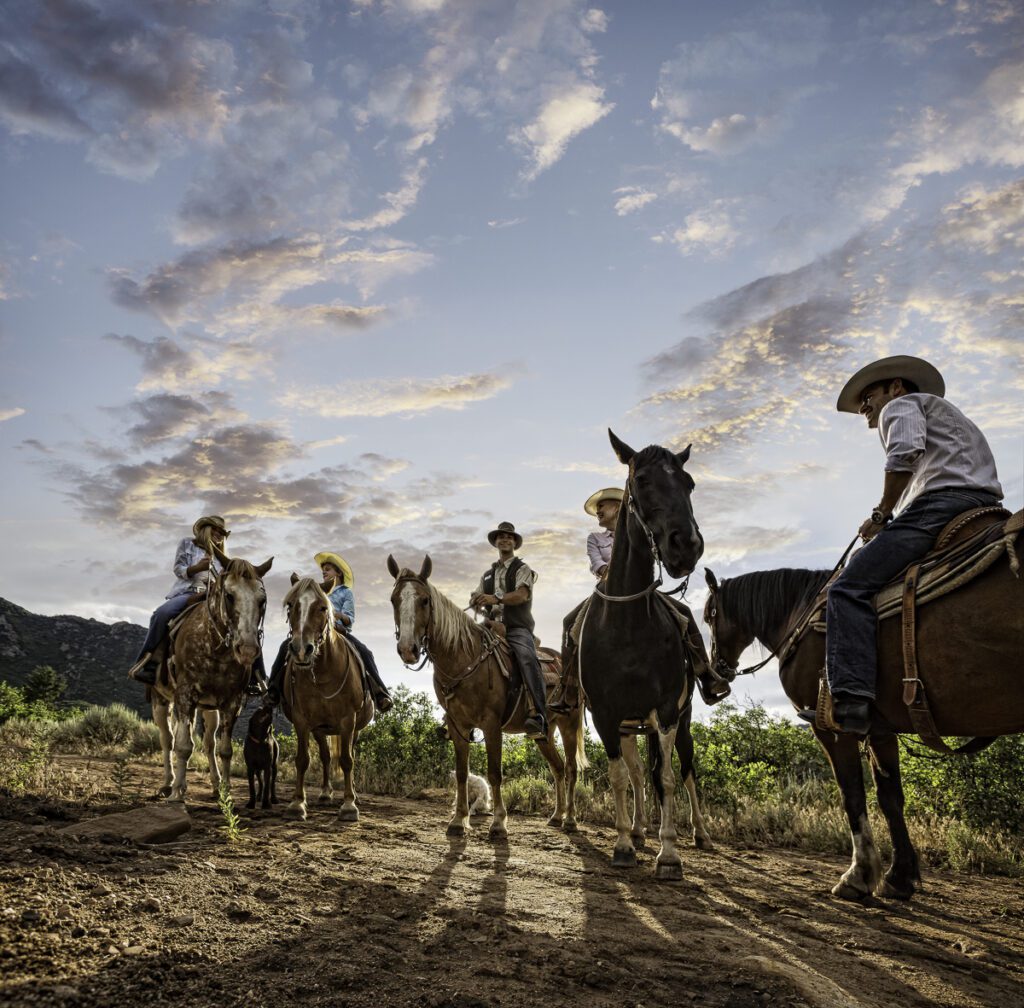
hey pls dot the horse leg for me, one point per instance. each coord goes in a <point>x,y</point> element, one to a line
<point>326,791</point>
<point>297,809</point>
<point>630,753</point>
<point>254,775</point>
<point>224,750</point>
<point>667,867</point>
<point>161,712</point>
<point>460,819</point>
<point>684,747</point>
<point>334,745</point>
<point>575,757</point>
<point>492,743</point>
<point>550,753</point>
<point>348,812</point>
<point>211,725</point>
<point>184,712</point>
<point>624,854</point>
<point>902,878</point>
<point>860,879</point>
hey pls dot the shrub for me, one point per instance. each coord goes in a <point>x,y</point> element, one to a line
<point>45,685</point>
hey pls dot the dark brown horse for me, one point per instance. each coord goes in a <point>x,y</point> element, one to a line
<point>635,669</point>
<point>969,646</point>
<point>213,651</point>
<point>472,689</point>
<point>322,694</point>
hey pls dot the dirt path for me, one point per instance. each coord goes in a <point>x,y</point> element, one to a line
<point>390,912</point>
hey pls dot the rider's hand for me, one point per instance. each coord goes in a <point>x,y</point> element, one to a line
<point>869,529</point>
<point>199,566</point>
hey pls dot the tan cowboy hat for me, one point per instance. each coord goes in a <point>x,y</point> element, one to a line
<point>332,558</point>
<point>924,375</point>
<point>608,493</point>
<point>214,521</point>
<point>505,527</point>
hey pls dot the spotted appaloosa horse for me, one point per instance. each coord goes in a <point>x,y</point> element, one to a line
<point>474,693</point>
<point>213,652</point>
<point>322,693</point>
<point>635,669</point>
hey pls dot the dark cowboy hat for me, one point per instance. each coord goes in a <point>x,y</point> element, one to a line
<point>924,375</point>
<point>213,520</point>
<point>505,527</point>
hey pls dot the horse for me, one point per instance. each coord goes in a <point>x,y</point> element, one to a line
<point>212,652</point>
<point>322,693</point>
<point>470,685</point>
<point>635,670</point>
<point>969,644</point>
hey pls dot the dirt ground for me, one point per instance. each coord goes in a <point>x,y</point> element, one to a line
<point>389,911</point>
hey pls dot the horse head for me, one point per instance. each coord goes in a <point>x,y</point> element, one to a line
<point>659,500</point>
<point>728,639</point>
<point>410,601</point>
<point>310,616</point>
<point>240,600</point>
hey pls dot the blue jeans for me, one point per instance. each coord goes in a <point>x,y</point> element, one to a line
<point>163,615</point>
<point>520,640</point>
<point>851,649</point>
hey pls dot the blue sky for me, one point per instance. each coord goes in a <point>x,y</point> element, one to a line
<point>372,276</point>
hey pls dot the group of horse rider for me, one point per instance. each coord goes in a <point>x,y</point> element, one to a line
<point>937,465</point>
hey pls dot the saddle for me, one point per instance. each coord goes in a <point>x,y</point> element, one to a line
<point>164,653</point>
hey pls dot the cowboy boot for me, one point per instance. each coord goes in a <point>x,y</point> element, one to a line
<point>144,670</point>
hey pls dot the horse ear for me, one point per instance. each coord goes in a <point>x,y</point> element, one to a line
<point>264,567</point>
<point>684,455</point>
<point>427,567</point>
<point>295,578</point>
<point>624,452</point>
<point>709,576</point>
<point>392,566</point>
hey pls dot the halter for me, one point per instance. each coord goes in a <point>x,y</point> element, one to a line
<point>423,644</point>
<point>322,638</point>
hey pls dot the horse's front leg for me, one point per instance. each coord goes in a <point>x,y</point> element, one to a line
<point>297,809</point>
<point>499,816</point>
<point>326,791</point>
<point>667,867</point>
<point>460,819</point>
<point>161,715</point>
<point>635,768</point>
<point>222,765</point>
<point>348,811</point>
<point>555,762</point>
<point>624,854</point>
<point>184,712</point>
<point>903,877</point>
<point>860,879</point>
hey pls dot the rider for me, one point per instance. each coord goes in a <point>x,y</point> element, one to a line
<point>505,594</point>
<point>338,581</point>
<point>937,465</point>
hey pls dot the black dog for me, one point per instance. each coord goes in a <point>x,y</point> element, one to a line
<point>261,750</point>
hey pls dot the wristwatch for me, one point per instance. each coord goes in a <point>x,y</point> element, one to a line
<point>878,517</point>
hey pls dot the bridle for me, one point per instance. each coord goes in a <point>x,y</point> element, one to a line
<point>225,636</point>
<point>321,639</point>
<point>423,644</point>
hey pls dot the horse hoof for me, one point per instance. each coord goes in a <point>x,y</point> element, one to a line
<point>623,858</point>
<point>639,840</point>
<point>843,890</point>
<point>164,792</point>
<point>497,835</point>
<point>569,826</point>
<point>324,799</point>
<point>348,815</point>
<point>889,891</point>
<point>173,799</point>
<point>555,821</point>
<point>455,830</point>
<point>668,872</point>
<point>295,812</point>
<point>703,843</point>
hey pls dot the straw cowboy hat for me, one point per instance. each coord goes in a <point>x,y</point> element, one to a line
<point>608,493</point>
<point>215,521</point>
<point>332,558</point>
<point>924,375</point>
<point>505,527</point>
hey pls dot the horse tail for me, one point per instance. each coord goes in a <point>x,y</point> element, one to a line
<point>581,734</point>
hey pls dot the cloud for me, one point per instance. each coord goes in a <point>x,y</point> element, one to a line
<point>402,396</point>
<point>563,116</point>
<point>10,413</point>
<point>396,204</point>
<point>632,198</point>
<point>711,230</point>
<point>512,222</point>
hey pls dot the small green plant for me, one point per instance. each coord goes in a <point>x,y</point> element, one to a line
<point>120,775</point>
<point>232,829</point>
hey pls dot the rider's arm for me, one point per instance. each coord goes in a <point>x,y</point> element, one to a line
<point>597,562</point>
<point>344,605</point>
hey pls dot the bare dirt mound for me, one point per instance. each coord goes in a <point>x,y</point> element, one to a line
<point>388,911</point>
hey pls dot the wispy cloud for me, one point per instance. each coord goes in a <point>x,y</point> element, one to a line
<point>10,413</point>
<point>632,198</point>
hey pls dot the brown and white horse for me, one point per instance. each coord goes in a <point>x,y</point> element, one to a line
<point>322,693</point>
<point>472,689</point>
<point>213,652</point>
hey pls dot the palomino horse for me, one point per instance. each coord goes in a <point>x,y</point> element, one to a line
<point>474,693</point>
<point>634,668</point>
<point>322,693</point>
<point>969,647</point>
<point>213,651</point>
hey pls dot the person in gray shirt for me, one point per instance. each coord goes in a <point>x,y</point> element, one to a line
<point>937,465</point>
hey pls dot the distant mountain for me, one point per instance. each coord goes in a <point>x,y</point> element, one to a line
<point>92,656</point>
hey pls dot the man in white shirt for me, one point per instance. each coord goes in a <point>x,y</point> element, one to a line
<point>604,506</point>
<point>937,465</point>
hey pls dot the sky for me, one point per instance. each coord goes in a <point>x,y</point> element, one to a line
<point>372,276</point>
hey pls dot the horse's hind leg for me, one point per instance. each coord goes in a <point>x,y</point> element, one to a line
<point>635,768</point>
<point>554,760</point>
<point>211,722</point>
<point>326,791</point>
<point>684,747</point>
<point>492,743</point>
<point>903,877</point>
<point>161,712</point>
<point>667,867</point>
<point>860,879</point>
<point>571,730</point>
<point>348,811</point>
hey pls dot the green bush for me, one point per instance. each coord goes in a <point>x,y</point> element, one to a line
<point>45,684</point>
<point>15,703</point>
<point>115,725</point>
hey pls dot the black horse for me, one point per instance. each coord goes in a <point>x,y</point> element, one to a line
<point>634,667</point>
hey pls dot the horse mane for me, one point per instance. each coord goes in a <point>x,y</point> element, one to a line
<point>451,629</point>
<point>303,584</point>
<point>763,602</point>
<point>242,568</point>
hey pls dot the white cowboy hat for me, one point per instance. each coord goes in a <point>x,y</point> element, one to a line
<point>924,375</point>
<point>608,493</point>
